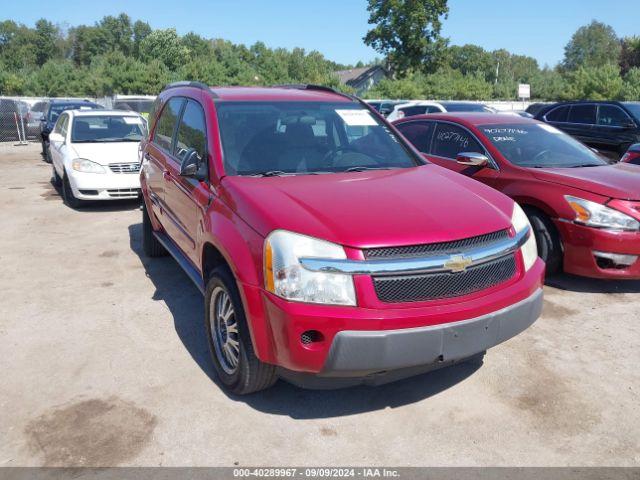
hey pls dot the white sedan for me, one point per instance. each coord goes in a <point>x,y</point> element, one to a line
<point>95,155</point>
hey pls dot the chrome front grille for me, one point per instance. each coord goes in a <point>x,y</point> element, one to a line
<point>455,246</point>
<point>124,167</point>
<point>438,286</point>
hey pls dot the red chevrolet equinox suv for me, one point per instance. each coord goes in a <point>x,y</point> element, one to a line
<point>329,253</point>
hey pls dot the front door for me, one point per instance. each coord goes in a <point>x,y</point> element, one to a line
<point>186,197</point>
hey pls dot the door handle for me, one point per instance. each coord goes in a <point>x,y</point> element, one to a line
<point>166,175</point>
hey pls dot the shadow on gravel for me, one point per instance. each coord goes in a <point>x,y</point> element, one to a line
<point>574,283</point>
<point>184,301</point>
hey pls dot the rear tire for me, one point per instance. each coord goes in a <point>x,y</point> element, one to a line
<point>150,244</point>
<point>230,346</point>
<point>47,153</point>
<point>548,240</point>
<point>67,194</point>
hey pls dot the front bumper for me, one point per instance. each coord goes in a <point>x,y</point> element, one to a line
<point>581,242</point>
<point>278,327</point>
<point>104,186</point>
<point>357,353</point>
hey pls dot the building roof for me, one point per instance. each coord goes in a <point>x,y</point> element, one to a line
<point>356,75</point>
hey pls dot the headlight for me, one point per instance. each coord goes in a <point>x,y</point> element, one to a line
<point>529,250</point>
<point>87,166</point>
<point>596,215</point>
<point>285,277</point>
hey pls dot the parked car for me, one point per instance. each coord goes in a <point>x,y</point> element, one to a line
<point>632,155</point>
<point>534,108</point>
<point>10,110</point>
<point>609,127</point>
<point>421,107</point>
<point>384,107</point>
<point>95,155</point>
<point>34,117</point>
<point>326,249</point>
<point>585,213</point>
<point>51,114</point>
<point>134,103</point>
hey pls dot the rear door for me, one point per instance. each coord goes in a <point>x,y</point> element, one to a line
<point>581,122</point>
<point>58,149</point>
<point>185,197</point>
<point>156,154</point>
<point>614,132</point>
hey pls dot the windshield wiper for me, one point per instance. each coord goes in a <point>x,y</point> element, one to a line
<point>364,169</point>
<point>585,165</point>
<point>270,173</point>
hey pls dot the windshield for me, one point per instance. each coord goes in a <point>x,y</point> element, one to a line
<point>107,128</point>
<point>306,137</point>
<point>634,108</point>
<point>56,110</point>
<point>140,106</point>
<point>539,145</point>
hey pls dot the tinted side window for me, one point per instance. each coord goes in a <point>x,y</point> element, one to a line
<point>192,131</point>
<point>585,114</point>
<point>418,133</point>
<point>163,135</point>
<point>450,140</point>
<point>559,114</point>
<point>612,116</point>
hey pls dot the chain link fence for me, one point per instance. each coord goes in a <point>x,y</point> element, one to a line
<point>20,116</point>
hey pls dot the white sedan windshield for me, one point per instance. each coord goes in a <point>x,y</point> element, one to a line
<point>107,128</point>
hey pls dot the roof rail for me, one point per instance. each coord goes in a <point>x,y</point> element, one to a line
<point>311,86</point>
<point>187,83</point>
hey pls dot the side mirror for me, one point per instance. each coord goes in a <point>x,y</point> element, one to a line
<point>56,137</point>
<point>472,159</point>
<point>190,166</point>
<point>629,125</point>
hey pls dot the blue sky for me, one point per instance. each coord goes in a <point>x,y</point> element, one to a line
<point>538,28</point>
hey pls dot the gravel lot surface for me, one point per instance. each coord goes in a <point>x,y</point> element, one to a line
<point>104,363</point>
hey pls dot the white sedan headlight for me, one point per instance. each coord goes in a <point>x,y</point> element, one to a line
<point>87,166</point>
<point>529,250</point>
<point>594,214</point>
<point>287,278</point>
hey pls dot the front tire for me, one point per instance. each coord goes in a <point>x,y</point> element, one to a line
<point>548,240</point>
<point>55,178</point>
<point>47,152</point>
<point>67,194</point>
<point>150,244</point>
<point>230,346</point>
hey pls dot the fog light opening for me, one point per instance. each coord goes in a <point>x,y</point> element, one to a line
<point>614,261</point>
<point>311,337</point>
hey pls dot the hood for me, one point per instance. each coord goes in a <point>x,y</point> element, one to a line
<point>621,181</point>
<point>425,204</point>
<point>106,153</point>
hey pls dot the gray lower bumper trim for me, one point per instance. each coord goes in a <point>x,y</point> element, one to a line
<point>358,353</point>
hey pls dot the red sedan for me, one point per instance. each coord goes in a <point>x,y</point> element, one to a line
<point>632,155</point>
<point>585,213</point>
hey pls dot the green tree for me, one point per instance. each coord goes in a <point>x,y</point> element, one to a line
<point>594,45</point>
<point>597,83</point>
<point>46,41</point>
<point>631,89</point>
<point>630,54</point>
<point>164,45</point>
<point>141,30</point>
<point>407,32</point>
<point>469,59</point>
<point>118,33</point>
